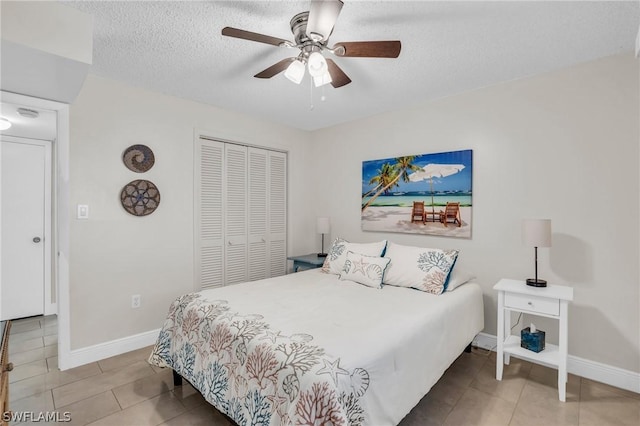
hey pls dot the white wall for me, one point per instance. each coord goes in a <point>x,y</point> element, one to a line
<point>562,145</point>
<point>114,254</point>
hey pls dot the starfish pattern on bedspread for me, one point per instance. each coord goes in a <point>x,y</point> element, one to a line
<point>332,368</point>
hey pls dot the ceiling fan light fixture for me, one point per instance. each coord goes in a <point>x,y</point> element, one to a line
<point>4,123</point>
<point>295,71</point>
<point>317,64</point>
<point>322,79</point>
<point>29,113</point>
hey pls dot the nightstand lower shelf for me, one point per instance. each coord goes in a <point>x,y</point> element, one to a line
<point>549,356</point>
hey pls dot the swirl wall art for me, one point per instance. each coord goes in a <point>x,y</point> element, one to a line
<point>138,158</point>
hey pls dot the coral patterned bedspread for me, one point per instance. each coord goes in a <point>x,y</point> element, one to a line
<point>309,349</point>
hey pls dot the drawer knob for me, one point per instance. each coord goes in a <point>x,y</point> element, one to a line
<point>9,367</point>
<point>530,303</point>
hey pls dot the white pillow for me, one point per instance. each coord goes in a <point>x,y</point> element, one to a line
<point>425,269</point>
<point>337,254</point>
<point>457,277</point>
<point>363,269</point>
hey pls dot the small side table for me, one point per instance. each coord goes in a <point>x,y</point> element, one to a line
<point>551,302</point>
<point>307,261</point>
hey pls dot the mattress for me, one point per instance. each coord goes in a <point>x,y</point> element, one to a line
<point>309,347</point>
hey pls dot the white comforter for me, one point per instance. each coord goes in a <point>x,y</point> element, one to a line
<point>308,348</point>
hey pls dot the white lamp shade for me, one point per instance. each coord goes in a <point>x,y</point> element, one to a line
<point>322,80</point>
<point>317,64</point>
<point>323,226</point>
<point>295,71</point>
<point>536,232</point>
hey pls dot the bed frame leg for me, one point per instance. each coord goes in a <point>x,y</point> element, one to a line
<point>467,349</point>
<point>177,379</point>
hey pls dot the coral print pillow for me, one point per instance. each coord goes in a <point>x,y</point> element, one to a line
<point>367,270</point>
<point>421,268</point>
<point>337,254</point>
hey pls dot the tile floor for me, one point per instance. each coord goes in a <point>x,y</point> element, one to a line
<point>126,390</point>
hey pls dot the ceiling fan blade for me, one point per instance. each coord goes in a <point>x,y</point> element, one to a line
<point>323,15</point>
<point>338,77</point>
<point>275,68</point>
<point>369,49</point>
<point>248,35</point>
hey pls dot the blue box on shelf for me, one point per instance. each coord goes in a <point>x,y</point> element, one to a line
<point>532,341</point>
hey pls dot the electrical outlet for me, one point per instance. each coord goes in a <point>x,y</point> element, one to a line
<point>136,301</point>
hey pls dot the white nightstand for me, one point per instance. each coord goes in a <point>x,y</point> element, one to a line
<point>551,302</point>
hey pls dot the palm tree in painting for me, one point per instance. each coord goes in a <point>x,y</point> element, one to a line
<point>402,169</point>
<point>385,175</point>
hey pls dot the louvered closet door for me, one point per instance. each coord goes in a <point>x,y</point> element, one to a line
<point>210,225</point>
<point>277,238</point>
<point>236,214</point>
<point>258,208</point>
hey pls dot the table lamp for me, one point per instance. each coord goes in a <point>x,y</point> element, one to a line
<point>536,233</point>
<point>323,226</point>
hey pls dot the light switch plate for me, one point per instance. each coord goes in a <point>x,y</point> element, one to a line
<point>83,211</point>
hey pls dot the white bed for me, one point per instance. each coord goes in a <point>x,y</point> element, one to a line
<point>377,351</point>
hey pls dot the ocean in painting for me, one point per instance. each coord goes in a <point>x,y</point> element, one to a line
<point>406,199</point>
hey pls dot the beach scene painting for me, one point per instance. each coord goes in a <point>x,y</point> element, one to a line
<point>427,194</point>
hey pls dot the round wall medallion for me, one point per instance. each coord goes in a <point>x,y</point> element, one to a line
<point>140,197</point>
<point>138,158</point>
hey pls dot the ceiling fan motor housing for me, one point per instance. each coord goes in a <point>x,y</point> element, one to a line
<point>299,27</point>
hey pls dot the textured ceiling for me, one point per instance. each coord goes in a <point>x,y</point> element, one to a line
<point>447,48</point>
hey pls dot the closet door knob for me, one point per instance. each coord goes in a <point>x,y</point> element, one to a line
<point>36,239</point>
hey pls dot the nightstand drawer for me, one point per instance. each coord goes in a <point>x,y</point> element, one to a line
<point>526,302</point>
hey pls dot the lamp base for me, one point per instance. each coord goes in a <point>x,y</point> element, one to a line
<point>536,282</point>
<point>322,254</point>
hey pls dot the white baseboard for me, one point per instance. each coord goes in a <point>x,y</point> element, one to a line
<point>104,350</point>
<point>614,376</point>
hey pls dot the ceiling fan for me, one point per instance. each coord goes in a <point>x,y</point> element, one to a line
<point>311,31</point>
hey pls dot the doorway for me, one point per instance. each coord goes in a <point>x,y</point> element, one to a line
<point>58,133</point>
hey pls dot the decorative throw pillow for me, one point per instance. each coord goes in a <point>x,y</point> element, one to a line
<point>421,268</point>
<point>337,254</point>
<point>457,277</point>
<point>363,269</point>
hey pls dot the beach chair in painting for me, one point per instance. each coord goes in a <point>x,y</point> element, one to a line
<point>451,214</point>
<point>417,212</point>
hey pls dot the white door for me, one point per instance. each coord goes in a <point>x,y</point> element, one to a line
<point>210,220</point>
<point>258,262</point>
<point>277,213</point>
<point>235,205</point>
<point>23,226</point>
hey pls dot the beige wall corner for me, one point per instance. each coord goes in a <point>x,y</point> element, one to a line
<point>47,49</point>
